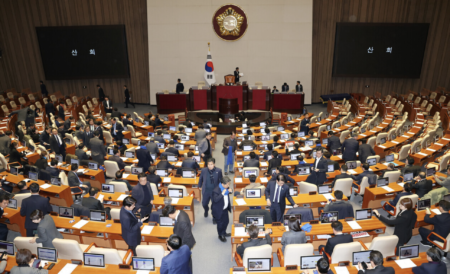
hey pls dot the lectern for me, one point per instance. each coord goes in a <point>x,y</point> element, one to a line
<point>228,108</point>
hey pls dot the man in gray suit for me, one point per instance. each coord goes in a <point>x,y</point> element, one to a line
<point>152,147</point>
<point>204,147</point>
<point>22,114</point>
<point>349,149</point>
<point>159,137</point>
<point>116,158</point>
<point>74,180</point>
<point>365,150</point>
<point>253,161</point>
<point>5,142</point>
<point>46,229</point>
<point>98,151</point>
<point>253,232</point>
<point>445,182</point>
<point>333,142</point>
<point>80,153</point>
<point>200,134</point>
<point>229,142</point>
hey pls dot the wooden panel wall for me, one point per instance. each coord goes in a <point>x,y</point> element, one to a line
<point>436,65</point>
<point>21,64</point>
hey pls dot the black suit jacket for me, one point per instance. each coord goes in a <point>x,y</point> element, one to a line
<point>218,203</point>
<point>236,76</point>
<point>53,171</point>
<point>414,169</point>
<point>87,138</point>
<point>365,151</point>
<point>131,227</point>
<point>337,239</point>
<point>190,163</point>
<point>285,88</point>
<point>423,187</point>
<point>49,108</point>
<point>298,88</point>
<point>55,146</point>
<point>274,163</point>
<point>144,158</point>
<point>100,130</point>
<point>92,203</point>
<point>30,204</point>
<point>333,143</point>
<point>67,124</point>
<point>119,133</point>
<point>41,163</point>
<point>251,163</point>
<point>319,176</point>
<point>430,268</point>
<point>441,224</point>
<point>349,149</point>
<point>180,88</point>
<point>173,151</point>
<point>164,165</point>
<point>254,242</point>
<point>380,269</point>
<point>183,229</point>
<point>101,94</point>
<point>127,93</point>
<point>284,194</point>
<point>403,225</point>
<point>116,114</point>
<point>61,113</point>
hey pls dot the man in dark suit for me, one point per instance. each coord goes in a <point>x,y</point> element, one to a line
<point>178,260</point>
<point>180,87</point>
<point>80,153</point>
<point>295,150</point>
<point>182,226</point>
<point>298,87</point>
<point>319,170</point>
<point>79,131</point>
<point>247,142</point>
<point>236,75</point>
<point>276,194</point>
<point>30,204</point>
<point>143,194</point>
<point>344,175</point>
<point>116,114</point>
<point>333,142</point>
<point>107,105</point>
<point>127,121</point>
<point>61,114</point>
<point>268,152</point>
<point>159,137</point>
<point>327,156</point>
<point>127,97</point>
<point>49,108</point>
<point>68,124</point>
<point>116,130</point>
<point>190,162</point>
<point>344,208</point>
<point>23,188</point>
<point>228,150</point>
<point>440,222</point>
<point>94,204</point>
<point>274,162</point>
<point>376,265</point>
<point>422,185</point>
<point>44,90</point>
<point>163,163</point>
<point>57,143</point>
<point>143,156</point>
<point>406,191</point>
<point>349,148</point>
<point>285,87</point>
<point>99,130</point>
<point>98,151</point>
<point>366,171</point>
<point>253,161</point>
<point>87,136</point>
<point>339,238</point>
<point>253,232</point>
<point>275,89</point>
<point>210,178</point>
<point>4,201</point>
<point>152,147</point>
<point>172,149</point>
<point>220,207</point>
<point>101,94</point>
<point>42,163</point>
<point>116,158</point>
<point>53,168</point>
<point>365,150</point>
<point>434,265</point>
<point>74,180</point>
<point>131,225</point>
<point>410,167</point>
<point>5,143</point>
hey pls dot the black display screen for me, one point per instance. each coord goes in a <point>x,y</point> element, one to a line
<point>379,50</point>
<point>83,52</point>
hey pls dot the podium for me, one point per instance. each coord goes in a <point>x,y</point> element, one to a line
<point>228,108</point>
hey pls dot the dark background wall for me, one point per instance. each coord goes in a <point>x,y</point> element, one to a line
<point>436,65</point>
<point>21,64</point>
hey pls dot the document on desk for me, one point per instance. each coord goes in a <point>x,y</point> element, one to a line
<point>68,268</point>
<point>352,171</point>
<point>179,164</point>
<point>341,270</point>
<point>238,152</point>
<point>80,224</point>
<point>382,146</point>
<point>387,188</point>
<point>239,231</point>
<point>81,170</point>
<point>445,139</point>
<point>122,196</point>
<point>323,237</point>
<point>136,161</point>
<point>125,175</point>
<point>421,153</point>
<point>124,158</point>
<point>147,229</point>
<point>44,186</point>
<point>395,142</point>
<point>143,272</point>
<point>240,202</point>
<point>328,196</point>
<point>166,180</point>
<point>354,225</point>
<point>263,180</point>
<point>264,142</point>
<point>238,180</point>
<point>436,211</point>
<point>264,164</point>
<point>401,184</point>
<point>405,263</point>
<point>175,201</point>
<point>431,149</point>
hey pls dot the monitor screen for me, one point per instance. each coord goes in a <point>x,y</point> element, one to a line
<point>56,181</point>
<point>325,141</point>
<point>284,136</point>
<point>161,172</point>
<point>93,166</point>
<point>372,161</point>
<point>244,125</point>
<point>418,148</point>
<point>248,148</point>
<point>33,176</point>
<point>331,168</point>
<point>111,151</point>
<point>166,221</point>
<point>309,143</point>
<point>75,161</point>
<point>265,138</point>
<point>287,216</point>
<point>329,217</point>
<point>97,260</point>
<point>294,157</point>
<point>254,220</point>
<point>161,145</point>
<point>262,124</point>
<point>196,148</point>
<point>382,182</point>
<point>351,165</point>
<point>409,251</point>
<point>362,256</point>
<point>129,154</point>
<point>13,170</point>
<point>289,118</point>
<point>12,204</point>
<point>137,170</point>
<point>408,177</point>
<point>175,193</point>
<point>97,215</point>
<point>389,158</point>
<point>188,129</point>
<point>253,193</point>
<point>363,129</point>
<point>196,158</point>
<point>309,262</point>
<point>280,128</point>
<point>126,141</point>
<point>302,170</point>
<point>247,173</point>
<point>337,125</point>
<point>107,188</point>
<point>188,173</point>
<point>172,158</point>
<point>166,136</point>
<point>324,189</point>
<point>184,138</point>
<point>259,265</point>
<point>301,134</point>
<point>140,263</point>
<point>363,214</point>
<point>423,204</point>
<point>328,127</point>
<point>7,247</point>
<point>383,140</point>
<point>337,151</point>
<point>179,146</point>
<point>172,128</point>
<point>46,254</point>
<point>431,171</point>
<point>246,157</point>
<point>59,158</point>
<point>66,212</point>
<point>151,134</point>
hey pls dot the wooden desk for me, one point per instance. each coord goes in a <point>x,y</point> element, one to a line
<point>14,221</point>
<point>95,177</point>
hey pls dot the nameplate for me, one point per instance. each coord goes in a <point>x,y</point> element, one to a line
<point>391,258</point>
<point>312,192</point>
<point>152,223</point>
<point>238,269</point>
<point>313,222</point>
<point>116,221</point>
<point>291,267</point>
<point>77,262</point>
<point>53,213</point>
<point>348,219</point>
<point>124,266</point>
<point>238,225</point>
<point>344,263</point>
<point>372,186</point>
<point>276,224</point>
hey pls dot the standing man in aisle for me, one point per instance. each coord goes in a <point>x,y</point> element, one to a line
<point>209,180</point>
<point>131,225</point>
<point>204,147</point>
<point>44,90</point>
<point>35,201</point>
<point>236,75</point>
<point>127,97</point>
<point>101,94</point>
<point>180,87</point>
<point>107,104</point>
<point>229,147</point>
<point>276,194</point>
<point>221,206</point>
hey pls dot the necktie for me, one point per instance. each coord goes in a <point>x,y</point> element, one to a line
<point>317,162</point>
<point>276,198</point>
<point>57,138</point>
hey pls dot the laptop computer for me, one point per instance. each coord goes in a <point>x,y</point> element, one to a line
<point>262,124</point>
<point>12,204</point>
<point>329,217</point>
<point>175,193</point>
<point>301,134</point>
<point>188,173</point>
<point>253,193</point>
<point>284,136</point>
<point>363,214</point>
<point>129,154</point>
<point>97,215</point>
<point>188,129</point>
<point>382,140</point>
<point>328,127</point>
<point>161,172</point>
<point>107,188</point>
<point>408,177</point>
<point>56,181</point>
<point>14,170</point>
<point>280,128</point>
<point>151,134</point>
<point>409,251</point>
<point>259,265</point>
<point>66,212</point>
<point>94,260</point>
<point>351,164</point>
<point>372,161</point>
<point>389,158</point>
<point>324,189</point>
<point>337,151</point>
<point>325,141</point>
<point>179,146</point>
<point>172,128</point>
<point>7,247</point>
<point>166,221</point>
<point>248,148</point>
<point>47,254</point>
<point>166,136</point>
<point>265,137</point>
<point>361,256</point>
<point>184,138</point>
<point>431,171</point>
<point>75,161</point>
<point>172,158</point>
<point>309,143</point>
<point>93,166</point>
<point>294,156</point>
<point>141,263</point>
<point>303,170</point>
<point>331,168</point>
<point>33,176</point>
<point>257,220</point>
<point>110,151</point>
<point>423,204</point>
<point>247,173</point>
<point>161,145</point>
<point>382,182</point>
<point>126,141</point>
<point>309,262</point>
<point>293,191</point>
<point>137,170</point>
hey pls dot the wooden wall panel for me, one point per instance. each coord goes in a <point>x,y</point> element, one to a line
<point>21,65</point>
<point>436,64</point>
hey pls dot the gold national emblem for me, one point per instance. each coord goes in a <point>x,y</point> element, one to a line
<point>230,22</point>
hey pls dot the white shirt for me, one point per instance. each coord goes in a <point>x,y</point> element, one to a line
<point>176,217</point>
<point>277,198</point>
<point>225,201</point>
<point>317,161</point>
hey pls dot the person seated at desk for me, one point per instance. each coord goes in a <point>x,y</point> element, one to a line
<point>187,122</point>
<point>4,201</point>
<point>74,180</point>
<point>53,168</point>
<point>42,163</point>
<point>274,89</point>
<point>441,224</point>
<point>344,208</point>
<point>30,128</point>
<point>274,162</point>
<point>333,141</point>
<point>6,186</point>
<point>35,201</point>
<point>327,156</point>
<point>434,265</point>
<point>127,121</point>
<point>68,124</point>
<point>299,87</point>
<point>158,121</point>
<point>159,137</point>
<point>339,238</point>
<point>150,121</point>
<point>301,163</point>
<point>116,114</point>
<point>25,262</point>
<point>177,259</point>
<point>81,152</point>
<point>268,152</point>
<point>294,151</point>
<point>164,164</point>
<point>121,147</point>
<point>34,135</point>
<point>293,136</point>
<point>275,142</point>
<point>46,229</point>
<point>190,162</point>
<point>44,138</point>
<point>249,132</point>
<point>376,265</point>
<point>366,171</point>
<point>295,235</point>
<point>285,87</point>
<point>253,161</point>
<point>172,149</point>
<point>365,150</point>
<point>15,156</point>
<point>407,187</point>
<point>247,142</point>
<point>119,176</point>
<point>445,182</point>
<point>323,267</point>
<point>23,188</point>
<point>344,175</point>
<point>143,156</point>
<point>152,177</point>
<point>253,232</point>
<point>410,167</point>
<point>180,130</point>
<point>116,158</point>
<point>421,184</point>
<point>95,204</point>
<point>252,185</point>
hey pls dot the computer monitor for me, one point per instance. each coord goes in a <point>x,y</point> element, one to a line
<point>172,158</point>
<point>246,157</point>
<point>361,256</point>
<point>269,157</point>
<point>161,172</point>
<point>188,129</point>
<point>329,217</point>
<point>47,254</point>
<point>179,146</point>
<point>196,158</point>
<point>137,170</point>
<point>284,136</point>
<point>196,148</point>
<point>166,221</point>
<point>431,171</point>
<point>94,260</point>
<point>172,128</point>
<point>146,123</point>
<point>248,148</point>
<point>280,128</point>
<point>328,127</point>
<point>382,182</point>
<point>262,124</point>
<point>319,119</point>
<point>393,136</point>
<point>166,118</point>
<point>337,125</point>
<point>56,181</point>
<point>126,141</point>
<point>309,143</point>
<point>331,168</point>
<point>409,251</point>
<point>192,124</point>
<point>303,170</point>
<point>110,151</point>
<point>59,157</point>
<point>289,118</point>
<point>382,140</point>
<point>33,176</point>
<point>259,265</point>
<point>309,262</point>
<point>428,143</point>
<point>14,170</point>
<point>151,134</point>
<point>325,141</point>
<point>423,204</point>
<point>66,212</point>
<point>257,220</point>
<point>337,151</point>
<point>12,204</point>
<point>293,191</point>
<point>294,157</point>
<point>129,154</point>
<point>7,247</point>
<point>301,134</point>
<point>140,263</point>
<point>389,158</point>
<point>287,216</point>
<point>97,215</point>
<point>253,193</point>
<point>351,164</point>
<point>372,161</point>
<point>188,173</point>
<point>107,188</point>
<point>265,137</point>
<point>161,145</point>
<point>324,189</point>
<point>408,177</point>
<point>247,173</point>
<point>166,136</point>
<point>175,193</point>
<point>185,138</point>
<point>93,166</point>
<point>363,214</point>
<point>244,125</point>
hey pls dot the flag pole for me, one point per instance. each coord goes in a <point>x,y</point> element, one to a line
<point>209,47</point>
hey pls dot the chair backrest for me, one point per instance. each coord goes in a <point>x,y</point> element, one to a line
<point>442,99</point>
<point>424,103</point>
<point>344,252</point>
<point>404,152</point>
<point>112,255</point>
<point>414,145</point>
<point>344,135</point>
<point>371,141</point>
<point>344,185</point>
<point>293,252</point>
<point>251,169</point>
<point>380,136</point>
<point>111,168</point>
<point>305,188</point>
<point>24,243</point>
<point>151,251</point>
<point>20,197</point>
<point>68,249</point>
<point>433,95</point>
<point>262,251</point>
<point>417,101</point>
<point>108,137</point>
<point>3,162</point>
<point>115,213</point>
<point>321,128</point>
<point>364,184</point>
<point>68,102</point>
<point>392,175</point>
<point>95,101</point>
<point>386,245</point>
<point>119,186</point>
